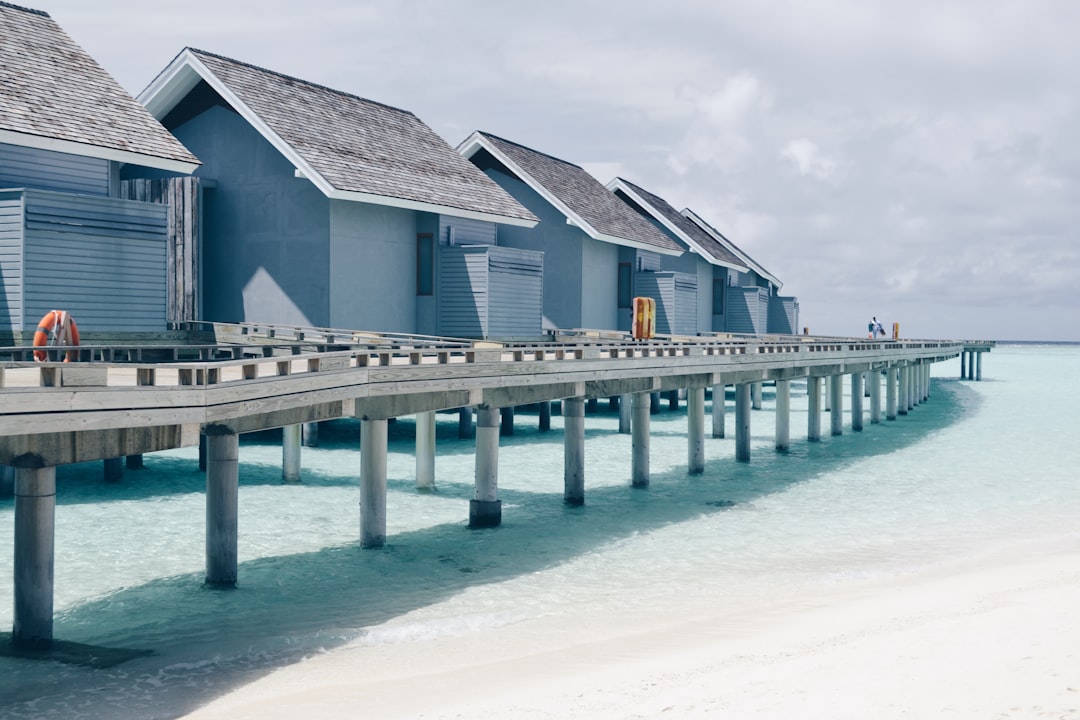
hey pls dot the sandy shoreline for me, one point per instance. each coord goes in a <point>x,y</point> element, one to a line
<point>997,640</point>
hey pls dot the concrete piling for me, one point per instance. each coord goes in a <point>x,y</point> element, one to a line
<point>222,496</point>
<point>695,430</point>
<point>35,533</point>
<point>485,509</point>
<point>373,440</point>
<point>425,450</point>
<point>574,451</point>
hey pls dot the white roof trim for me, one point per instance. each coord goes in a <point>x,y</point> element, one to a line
<point>184,73</point>
<point>618,184</point>
<point>477,141</point>
<point>355,196</point>
<point>701,223</point>
<point>71,147</point>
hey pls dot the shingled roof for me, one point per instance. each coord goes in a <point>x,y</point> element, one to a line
<point>682,227</point>
<point>349,147</point>
<point>53,95</point>
<point>575,193</point>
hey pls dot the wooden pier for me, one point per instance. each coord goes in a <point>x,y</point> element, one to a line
<point>118,404</point>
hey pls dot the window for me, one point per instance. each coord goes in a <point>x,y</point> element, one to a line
<point>719,287</point>
<point>625,291</point>
<point>425,264</point>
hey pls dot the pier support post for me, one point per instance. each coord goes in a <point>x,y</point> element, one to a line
<point>506,424</point>
<point>35,538</point>
<point>291,442</point>
<point>545,416</point>
<point>890,393</point>
<point>7,481</point>
<point>963,364</point>
<point>873,380</point>
<point>425,450</point>
<point>626,403</point>
<point>719,400</point>
<point>978,366</point>
<point>695,430</point>
<point>465,429</point>
<point>783,414</point>
<point>813,412</point>
<point>485,509</point>
<point>222,496</point>
<point>673,400</point>
<point>373,438</point>
<point>755,395</point>
<point>574,451</point>
<point>903,395</point>
<point>856,402</point>
<point>742,422</point>
<point>836,404</point>
<point>642,408</point>
<point>654,402</point>
<point>114,469</point>
<point>134,462</point>
<point>309,434</point>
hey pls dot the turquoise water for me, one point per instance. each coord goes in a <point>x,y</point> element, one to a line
<point>982,467</point>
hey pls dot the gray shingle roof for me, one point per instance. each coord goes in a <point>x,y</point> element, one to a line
<point>746,259</point>
<point>362,146</point>
<point>584,195</point>
<point>705,241</point>
<point>51,88</point>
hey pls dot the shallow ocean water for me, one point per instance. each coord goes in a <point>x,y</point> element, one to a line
<point>981,467</point>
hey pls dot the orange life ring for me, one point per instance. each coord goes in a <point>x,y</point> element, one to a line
<point>57,327</point>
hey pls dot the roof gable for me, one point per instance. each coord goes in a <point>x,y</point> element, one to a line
<point>680,226</point>
<point>349,147</point>
<point>575,193</point>
<point>54,96</point>
<point>749,261</point>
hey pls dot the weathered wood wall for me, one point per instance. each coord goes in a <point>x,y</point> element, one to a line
<point>183,196</point>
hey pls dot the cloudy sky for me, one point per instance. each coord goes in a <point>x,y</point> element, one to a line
<point>916,160</point>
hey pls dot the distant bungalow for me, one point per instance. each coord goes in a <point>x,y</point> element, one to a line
<point>322,208</point>
<point>734,293</point>
<point>67,239</point>
<point>595,246</point>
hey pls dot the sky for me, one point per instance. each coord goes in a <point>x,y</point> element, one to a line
<point>915,161</point>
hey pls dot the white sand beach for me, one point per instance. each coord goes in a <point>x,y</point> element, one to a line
<point>1000,639</point>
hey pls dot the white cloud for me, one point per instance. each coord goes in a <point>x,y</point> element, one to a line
<point>808,159</point>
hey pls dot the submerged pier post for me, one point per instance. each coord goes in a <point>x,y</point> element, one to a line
<point>506,424</point>
<point>309,434</point>
<point>719,400</point>
<point>545,415</point>
<point>642,409</point>
<point>902,395</point>
<point>856,402</point>
<point>7,481</point>
<point>742,422</point>
<point>673,400</point>
<point>626,403</point>
<point>425,450</point>
<point>873,380</point>
<point>134,462</point>
<point>222,503</point>
<point>291,441</point>
<point>114,469</point>
<point>836,404</point>
<point>654,402</point>
<point>373,438</point>
<point>465,424</point>
<point>963,364</point>
<point>35,538</point>
<point>574,451</point>
<point>783,414</point>
<point>813,412</point>
<point>695,430</point>
<point>755,395</point>
<point>890,393</point>
<point>978,366</point>
<point>485,509</point>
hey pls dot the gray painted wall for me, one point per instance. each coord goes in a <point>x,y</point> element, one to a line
<point>783,315</point>
<point>747,309</point>
<point>599,285</point>
<point>49,170</point>
<point>466,231</point>
<point>266,233</point>
<point>676,300</point>
<point>102,259</point>
<point>490,291</point>
<point>372,267</point>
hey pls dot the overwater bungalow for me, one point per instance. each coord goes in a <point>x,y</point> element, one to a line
<point>597,250</point>
<point>321,208</point>
<point>68,239</point>
<point>734,293</point>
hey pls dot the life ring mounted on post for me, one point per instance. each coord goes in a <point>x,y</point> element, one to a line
<point>56,328</point>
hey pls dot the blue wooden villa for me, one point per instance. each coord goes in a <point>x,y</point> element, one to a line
<point>326,209</point>
<point>68,131</point>
<point>598,253</point>
<point>734,293</point>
